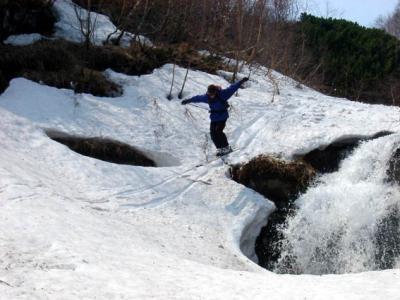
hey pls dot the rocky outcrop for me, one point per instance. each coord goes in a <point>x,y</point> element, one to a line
<point>387,239</point>
<point>393,172</point>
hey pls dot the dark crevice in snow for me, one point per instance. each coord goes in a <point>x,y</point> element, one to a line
<point>327,159</point>
<point>103,149</point>
<point>250,233</point>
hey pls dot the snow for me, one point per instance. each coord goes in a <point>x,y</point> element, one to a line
<point>23,39</point>
<point>74,227</point>
<point>68,26</point>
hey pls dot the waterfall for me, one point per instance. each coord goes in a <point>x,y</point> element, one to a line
<point>348,221</point>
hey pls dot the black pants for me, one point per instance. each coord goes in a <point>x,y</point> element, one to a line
<point>217,134</point>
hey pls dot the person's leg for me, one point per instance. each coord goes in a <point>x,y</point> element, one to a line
<point>217,135</point>
<point>214,134</point>
<point>223,141</point>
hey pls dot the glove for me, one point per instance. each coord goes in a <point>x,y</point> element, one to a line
<point>186,101</point>
<point>244,80</point>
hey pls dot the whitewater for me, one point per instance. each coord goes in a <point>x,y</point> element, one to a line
<point>74,227</point>
<point>348,221</point>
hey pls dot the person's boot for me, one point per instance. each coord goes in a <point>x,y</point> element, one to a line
<point>225,150</point>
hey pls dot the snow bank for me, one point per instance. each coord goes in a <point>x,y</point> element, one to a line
<point>23,39</point>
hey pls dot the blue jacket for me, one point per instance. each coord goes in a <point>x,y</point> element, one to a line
<point>218,105</point>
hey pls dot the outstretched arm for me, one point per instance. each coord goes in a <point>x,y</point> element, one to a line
<point>196,99</point>
<point>225,94</point>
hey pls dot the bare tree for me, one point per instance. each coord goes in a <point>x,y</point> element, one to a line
<point>169,97</point>
<point>239,35</point>
<point>87,22</point>
<point>391,22</point>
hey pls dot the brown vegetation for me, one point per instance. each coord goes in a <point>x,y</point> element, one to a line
<point>262,31</point>
<point>104,149</point>
<point>55,63</point>
<point>241,29</point>
<point>65,65</point>
<point>277,180</point>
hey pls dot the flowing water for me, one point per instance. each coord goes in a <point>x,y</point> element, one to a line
<point>348,221</point>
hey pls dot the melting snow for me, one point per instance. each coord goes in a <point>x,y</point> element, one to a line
<point>76,227</point>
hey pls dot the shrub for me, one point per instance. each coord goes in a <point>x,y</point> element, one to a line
<point>56,63</point>
<point>276,179</point>
<point>104,149</point>
<point>41,56</point>
<point>95,83</point>
<point>26,16</point>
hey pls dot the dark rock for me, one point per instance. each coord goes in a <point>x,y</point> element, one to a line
<point>387,240</point>
<point>328,159</point>
<point>269,242</point>
<point>393,172</point>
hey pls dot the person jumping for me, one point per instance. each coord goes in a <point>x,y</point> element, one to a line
<point>217,99</point>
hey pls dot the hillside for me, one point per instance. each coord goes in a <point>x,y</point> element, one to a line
<point>76,227</point>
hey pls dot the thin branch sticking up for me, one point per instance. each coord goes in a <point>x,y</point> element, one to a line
<point>169,97</point>
<point>274,83</point>
<point>184,82</point>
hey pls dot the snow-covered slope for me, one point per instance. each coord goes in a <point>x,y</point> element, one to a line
<point>73,227</point>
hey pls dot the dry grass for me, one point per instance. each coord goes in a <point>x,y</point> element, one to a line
<point>104,149</point>
<point>278,180</point>
<point>58,63</point>
<point>55,63</point>
<point>267,167</point>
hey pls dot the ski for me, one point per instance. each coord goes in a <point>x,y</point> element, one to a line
<point>221,157</point>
